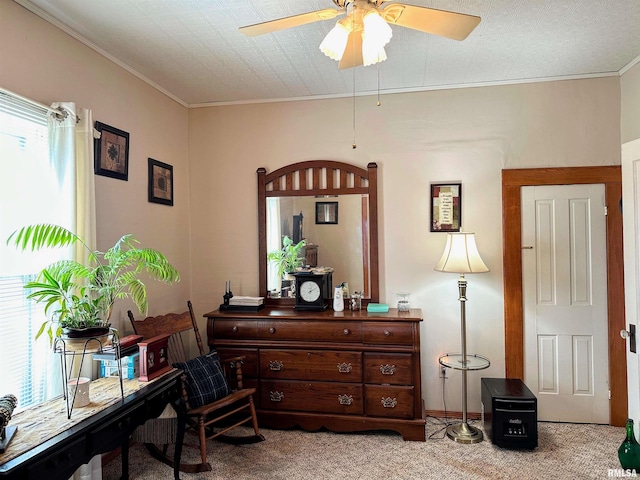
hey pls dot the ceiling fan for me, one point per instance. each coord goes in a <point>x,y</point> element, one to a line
<point>360,36</point>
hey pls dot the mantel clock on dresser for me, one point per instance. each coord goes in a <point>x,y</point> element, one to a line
<point>312,291</point>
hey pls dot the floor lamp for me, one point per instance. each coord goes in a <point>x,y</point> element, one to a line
<point>461,256</point>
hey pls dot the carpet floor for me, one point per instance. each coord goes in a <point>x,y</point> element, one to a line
<point>567,451</point>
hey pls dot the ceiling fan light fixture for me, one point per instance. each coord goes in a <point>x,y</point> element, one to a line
<point>377,33</point>
<point>371,56</point>
<point>376,28</point>
<point>335,42</point>
<point>373,29</point>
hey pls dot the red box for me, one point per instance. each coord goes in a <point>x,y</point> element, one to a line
<point>153,357</point>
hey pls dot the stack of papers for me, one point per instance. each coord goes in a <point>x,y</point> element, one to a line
<point>246,301</point>
<point>322,269</point>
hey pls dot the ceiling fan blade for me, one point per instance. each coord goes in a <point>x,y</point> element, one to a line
<point>456,26</point>
<point>352,56</point>
<point>288,22</point>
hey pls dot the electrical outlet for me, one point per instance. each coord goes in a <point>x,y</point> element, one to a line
<point>442,371</point>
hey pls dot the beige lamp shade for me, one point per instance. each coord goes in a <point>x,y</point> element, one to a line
<point>461,255</point>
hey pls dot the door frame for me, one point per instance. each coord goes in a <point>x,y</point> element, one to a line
<point>512,181</point>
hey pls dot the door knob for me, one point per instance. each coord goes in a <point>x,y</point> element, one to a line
<point>631,335</point>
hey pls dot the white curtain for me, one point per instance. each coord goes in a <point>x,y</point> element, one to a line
<point>61,130</point>
<point>273,242</point>
<point>71,151</point>
<point>71,143</point>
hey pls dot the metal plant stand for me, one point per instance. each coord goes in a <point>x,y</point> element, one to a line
<point>72,348</point>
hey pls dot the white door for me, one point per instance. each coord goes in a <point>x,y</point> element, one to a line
<point>631,228</point>
<point>565,301</point>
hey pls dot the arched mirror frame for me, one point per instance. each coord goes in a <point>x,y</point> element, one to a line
<point>321,177</point>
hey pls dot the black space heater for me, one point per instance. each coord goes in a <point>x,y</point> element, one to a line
<point>509,413</point>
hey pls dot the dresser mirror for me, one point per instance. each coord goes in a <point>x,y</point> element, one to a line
<point>292,201</point>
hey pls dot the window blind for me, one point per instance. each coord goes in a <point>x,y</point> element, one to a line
<point>30,370</point>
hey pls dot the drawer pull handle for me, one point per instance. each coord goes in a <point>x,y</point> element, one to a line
<point>344,367</point>
<point>346,331</point>
<point>387,333</point>
<point>276,396</point>
<point>272,330</point>
<point>388,402</point>
<point>345,399</point>
<point>387,369</point>
<point>235,329</point>
<point>275,365</point>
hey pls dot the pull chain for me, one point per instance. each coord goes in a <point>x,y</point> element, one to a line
<point>378,103</point>
<point>353,145</point>
<point>353,46</point>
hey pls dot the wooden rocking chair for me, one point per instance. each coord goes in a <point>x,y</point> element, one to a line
<point>205,377</point>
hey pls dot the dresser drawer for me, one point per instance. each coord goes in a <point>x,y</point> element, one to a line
<point>394,369</point>
<point>388,333</point>
<point>250,363</point>
<point>389,401</point>
<point>311,331</point>
<point>234,328</point>
<point>323,365</point>
<point>321,397</point>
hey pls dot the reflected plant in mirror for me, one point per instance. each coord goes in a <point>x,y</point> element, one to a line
<point>288,258</point>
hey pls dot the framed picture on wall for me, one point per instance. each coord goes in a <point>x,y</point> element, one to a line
<point>111,152</point>
<point>160,182</point>
<point>446,207</point>
<point>326,213</point>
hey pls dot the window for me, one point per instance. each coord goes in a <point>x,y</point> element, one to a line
<point>33,191</point>
<point>274,241</point>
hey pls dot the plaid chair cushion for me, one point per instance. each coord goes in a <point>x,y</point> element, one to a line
<point>206,382</point>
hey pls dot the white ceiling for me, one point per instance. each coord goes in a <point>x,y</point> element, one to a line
<point>192,50</point>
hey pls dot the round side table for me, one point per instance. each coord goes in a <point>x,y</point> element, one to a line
<point>463,432</point>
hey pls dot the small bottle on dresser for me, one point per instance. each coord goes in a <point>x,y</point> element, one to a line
<point>338,300</point>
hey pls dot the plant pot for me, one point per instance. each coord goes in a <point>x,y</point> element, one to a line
<point>85,332</point>
<point>89,340</point>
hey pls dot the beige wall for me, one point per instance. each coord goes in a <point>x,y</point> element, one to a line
<point>464,135</point>
<point>630,93</point>
<point>41,62</point>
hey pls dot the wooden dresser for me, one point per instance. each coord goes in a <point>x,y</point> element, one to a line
<point>344,371</point>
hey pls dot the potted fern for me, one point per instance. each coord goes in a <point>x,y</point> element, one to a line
<point>79,298</point>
